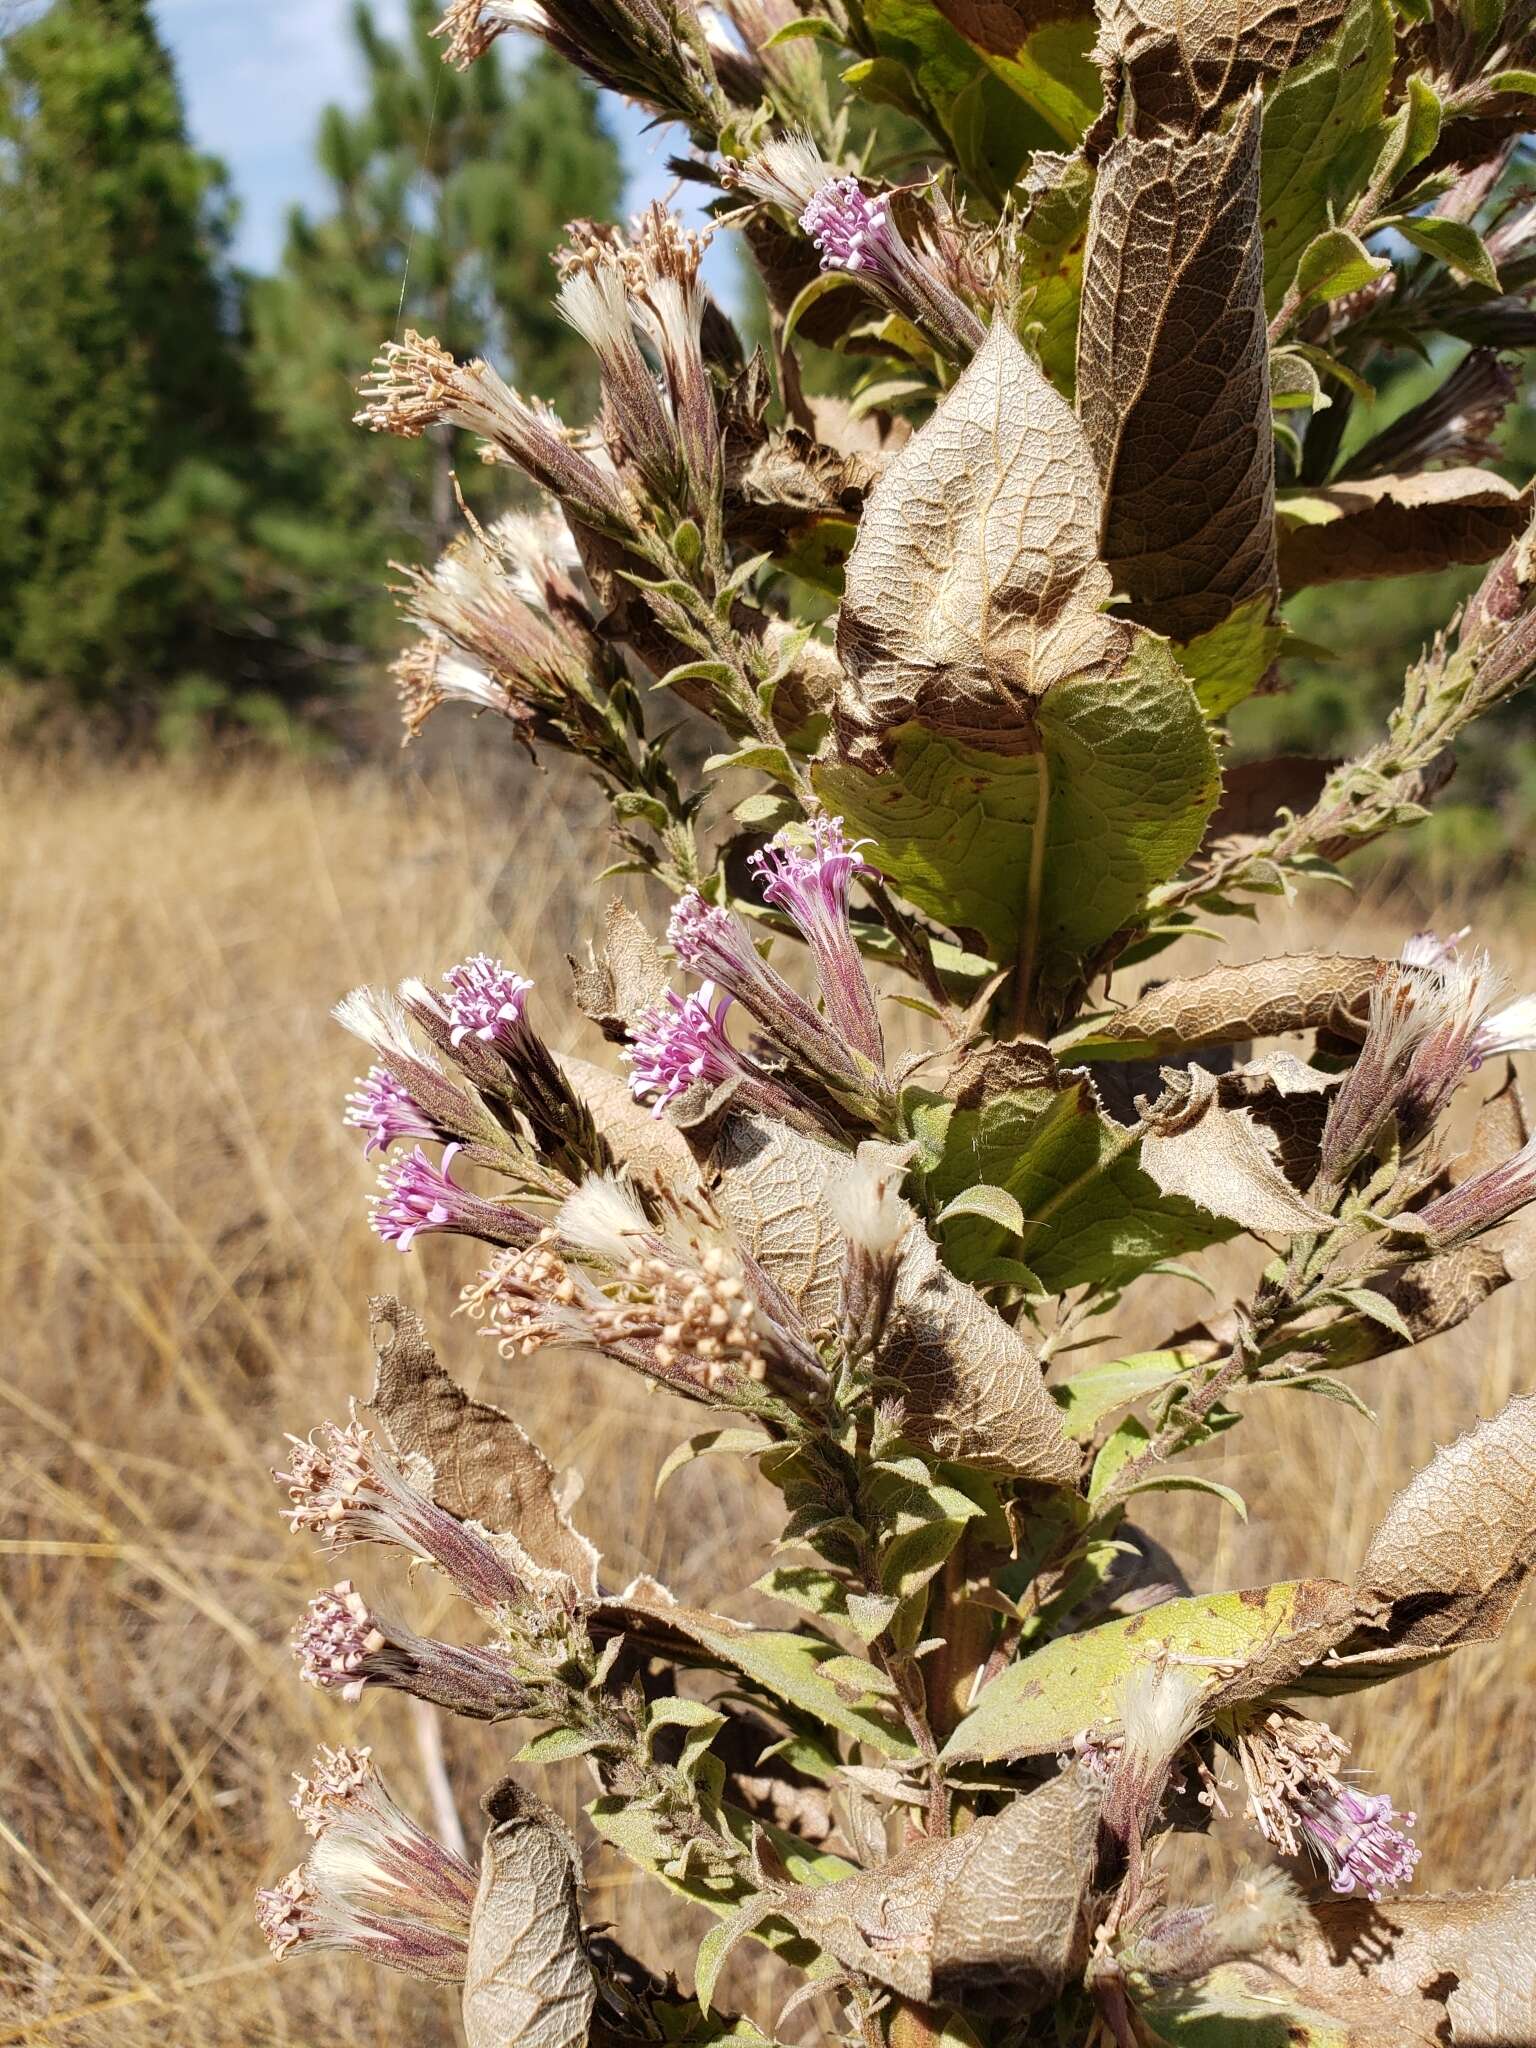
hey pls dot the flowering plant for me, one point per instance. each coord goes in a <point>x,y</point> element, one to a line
<point>1103,343</point>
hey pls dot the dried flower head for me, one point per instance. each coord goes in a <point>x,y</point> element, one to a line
<point>343,1645</point>
<point>1297,1800</point>
<point>604,1216</point>
<point>374,1882</point>
<point>344,1486</point>
<point>416,384</point>
<point>1422,1036</point>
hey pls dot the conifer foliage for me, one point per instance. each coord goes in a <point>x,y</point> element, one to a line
<point>970,642</point>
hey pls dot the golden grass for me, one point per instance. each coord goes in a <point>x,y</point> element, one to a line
<point>185,1276</point>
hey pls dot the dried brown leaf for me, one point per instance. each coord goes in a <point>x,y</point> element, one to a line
<point>975,583</point>
<point>485,1468</point>
<point>991,1918</point>
<point>528,1983</point>
<point>1455,1548</point>
<point>1184,61</point>
<point>1230,1005</point>
<point>645,1146</point>
<point>1173,377</point>
<point>626,976</point>
<point>1224,1159</point>
<point>1398,526</point>
<point>1459,1969</point>
<point>971,1387</point>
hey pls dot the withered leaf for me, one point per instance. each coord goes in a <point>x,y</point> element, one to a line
<point>1002,27</point>
<point>770,1184</point>
<point>975,583</point>
<point>528,1983</point>
<point>1173,377</point>
<point>646,1146</point>
<point>485,1468</point>
<point>1456,1546</point>
<point>627,976</point>
<point>1185,61</point>
<point>1459,1969</point>
<point>1224,1159</point>
<point>993,1918</point>
<point>1397,526</point>
<point>1228,1005</point>
<point>971,1387</point>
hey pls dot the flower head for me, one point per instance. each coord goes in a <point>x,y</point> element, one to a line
<point>679,1043</point>
<point>343,1645</point>
<point>374,1882</point>
<point>813,890</point>
<point>789,171</point>
<point>344,1486</point>
<point>1483,1200</point>
<point>1355,1836</point>
<point>1422,1036</point>
<point>416,1196</point>
<point>604,1216</point>
<point>386,1110</point>
<point>852,231</point>
<point>1298,1800</point>
<point>416,383</point>
<point>714,943</point>
<point>487,1000</point>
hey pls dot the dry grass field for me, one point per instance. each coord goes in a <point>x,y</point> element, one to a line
<point>184,1269</point>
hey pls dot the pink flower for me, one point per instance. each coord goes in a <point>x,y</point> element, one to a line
<point>1483,1200</point>
<point>386,1110</point>
<point>813,890</point>
<point>343,1645</point>
<point>716,944</point>
<point>416,1196</point>
<point>681,1042</point>
<point>853,231</point>
<point>1353,1835</point>
<point>486,999</point>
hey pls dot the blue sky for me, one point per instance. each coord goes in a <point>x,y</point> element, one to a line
<point>256,74</point>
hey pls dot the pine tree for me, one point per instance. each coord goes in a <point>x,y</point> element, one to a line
<point>124,408</point>
<point>449,193</point>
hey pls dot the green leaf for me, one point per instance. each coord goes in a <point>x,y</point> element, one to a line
<point>995,1205</point>
<point>1227,663</point>
<point>1334,263</point>
<point>719,1942</point>
<point>1089,1396</point>
<point>991,128</point>
<point>1051,69</point>
<point>1270,1633</point>
<point>1460,247</point>
<point>1056,194</point>
<point>1412,133</point>
<point>921,1526</point>
<point>1225,2011</point>
<point>1127,1441</point>
<point>870,1614</point>
<point>1513,81</point>
<point>741,1443</point>
<point>1322,135</point>
<point>1376,1308</point>
<point>806,1586</point>
<point>1191,1482</point>
<point>788,1667</point>
<point>1126,777</point>
<point>556,1746</point>
<point>1090,1213</point>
